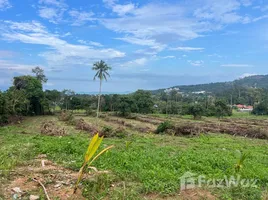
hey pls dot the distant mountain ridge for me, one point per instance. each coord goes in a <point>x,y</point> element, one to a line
<point>256,81</point>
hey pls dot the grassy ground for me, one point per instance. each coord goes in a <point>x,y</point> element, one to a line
<point>141,164</point>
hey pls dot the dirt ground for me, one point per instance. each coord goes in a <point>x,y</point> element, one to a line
<point>58,181</point>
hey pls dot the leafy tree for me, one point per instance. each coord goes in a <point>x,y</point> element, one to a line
<point>75,103</point>
<point>115,102</point>
<point>66,96</point>
<point>126,106</point>
<point>33,90</point>
<point>222,109</point>
<point>196,110</point>
<point>3,102</point>
<point>144,101</point>
<point>102,73</point>
<point>39,74</point>
<point>17,101</point>
<point>53,98</point>
<point>261,108</point>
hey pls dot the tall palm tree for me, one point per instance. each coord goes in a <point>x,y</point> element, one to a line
<point>102,73</point>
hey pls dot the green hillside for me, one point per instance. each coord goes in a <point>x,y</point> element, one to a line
<point>258,81</point>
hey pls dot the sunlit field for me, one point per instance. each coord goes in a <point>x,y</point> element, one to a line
<point>142,165</point>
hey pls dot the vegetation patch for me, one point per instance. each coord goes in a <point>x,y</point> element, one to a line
<point>66,116</point>
<point>163,127</point>
<point>10,119</point>
<point>81,124</point>
<point>51,128</point>
<point>108,131</point>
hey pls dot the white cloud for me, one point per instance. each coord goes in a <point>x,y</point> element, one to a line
<point>160,22</point>
<point>223,11</point>
<point>81,17</point>
<point>215,55</point>
<point>32,26</point>
<point>58,3</point>
<point>167,57</point>
<point>91,43</point>
<point>246,75</point>
<point>246,2</point>
<point>7,54</point>
<point>11,66</point>
<point>118,8</point>
<point>135,62</point>
<point>165,23</point>
<point>196,62</point>
<point>143,42</point>
<point>187,49</point>
<point>52,10</point>
<point>148,51</point>
<point>236,65</point>
<point>60,51</point>
<point>48,13</point>
<point>5,4</point>
<point>123,9</point>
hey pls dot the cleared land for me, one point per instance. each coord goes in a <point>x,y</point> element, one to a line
<point>143,165</point>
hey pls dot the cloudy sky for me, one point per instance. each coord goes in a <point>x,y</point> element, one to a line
<point>149,44</point>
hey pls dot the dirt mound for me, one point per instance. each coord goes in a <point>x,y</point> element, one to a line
<point>239,130</point>
<point>191,129</point>
<point>65,116</point>
<point>188,129</point>
<point>81,124</point>
<point>51,128</point>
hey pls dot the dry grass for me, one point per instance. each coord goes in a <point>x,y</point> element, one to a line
<point>51,128</point>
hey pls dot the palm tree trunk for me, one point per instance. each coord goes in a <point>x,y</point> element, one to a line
<point>99,100</point>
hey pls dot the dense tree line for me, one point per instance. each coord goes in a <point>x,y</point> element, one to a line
<point>26,97</point>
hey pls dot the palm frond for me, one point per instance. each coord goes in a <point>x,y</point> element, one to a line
<point>102,70</point>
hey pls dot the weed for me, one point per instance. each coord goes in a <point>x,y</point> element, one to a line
<point>240,163</point>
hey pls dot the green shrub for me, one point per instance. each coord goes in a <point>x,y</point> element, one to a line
<point>90,112</point>
<point>108,131</point>
<point>163,127</point>
<point>3,119</point>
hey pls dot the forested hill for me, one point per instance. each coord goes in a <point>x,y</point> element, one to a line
<point>257,81</point>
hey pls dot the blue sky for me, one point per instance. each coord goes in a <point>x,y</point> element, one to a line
<point>149,44</point>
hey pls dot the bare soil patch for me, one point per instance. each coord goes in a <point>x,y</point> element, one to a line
<point>196,194</point>
<point>58,181</point>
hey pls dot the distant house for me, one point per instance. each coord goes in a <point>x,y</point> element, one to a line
<point>199,92</point>
<point>244,108</point>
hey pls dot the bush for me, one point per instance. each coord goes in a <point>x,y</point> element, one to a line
<point>3,119</point>
<point>163,127</point>
<point>108,131</point>
<point>90,112</point>
<point>196,110</point>
<point>261,109</point>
